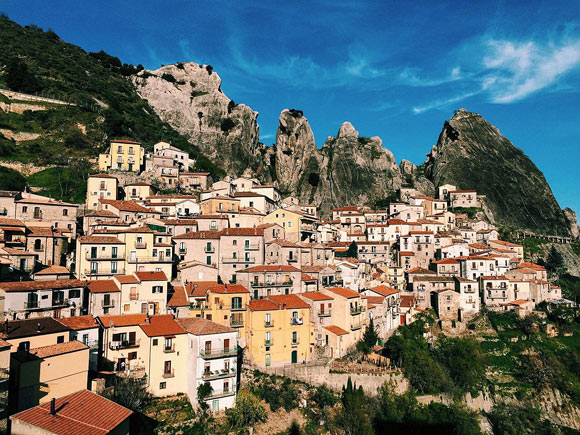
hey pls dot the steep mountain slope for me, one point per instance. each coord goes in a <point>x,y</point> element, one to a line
<point>472,154</point>
<point>348,169</point>
<point>189,97</point>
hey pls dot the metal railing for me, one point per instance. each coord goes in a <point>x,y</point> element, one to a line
<point>269,324</point>
<point>219,374</point>
<point>296,321</point>
<point>236,323</point>
<point>125,344</point>
<point>238,260</point>
<point>169,374</point>
<point>140,245</point>
<point>325,313</point>
<point>169,349</point>
<point>109,304</point>
<point>218,353</point>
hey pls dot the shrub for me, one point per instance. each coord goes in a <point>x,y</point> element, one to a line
<point>227,124</point>
<point>168,77</point>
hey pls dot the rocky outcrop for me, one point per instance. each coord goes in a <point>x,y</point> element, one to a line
<point>472,154</point>
<point>188,97</point>
<point>348,169</point>
<point>573,221</point>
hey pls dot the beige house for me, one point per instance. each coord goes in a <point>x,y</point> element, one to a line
<point>194,180</point>
<point>101,186</point>
<point>138,191</point>
<point>219,205</point>
<point>37,210</point>
<point>463,198</point>
<point>284,252</point>
<point>269,280</point>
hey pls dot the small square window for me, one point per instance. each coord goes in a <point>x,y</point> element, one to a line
<point>162,385</point>
<point>155,341</point>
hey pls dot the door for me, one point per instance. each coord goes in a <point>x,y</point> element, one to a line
<point>227,345</point>
<point>94,251</point>
<point>294,357</point>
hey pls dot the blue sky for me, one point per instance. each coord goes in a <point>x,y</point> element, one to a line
<point>396,70</point>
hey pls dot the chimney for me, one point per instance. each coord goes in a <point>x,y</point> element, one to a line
<point>38,327</point>
<point>53,406</point>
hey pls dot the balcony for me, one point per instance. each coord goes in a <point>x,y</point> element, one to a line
<point>296,321</point>
<point>291,259</point>
<point>134,296</point>
<point>272,284</point>
<point>125,344</point>
<point>269,324</point>
<point>159,259</point>
<point>269,342</point>
<point>169,349</point>
<point>183,250</point>
<point>209,249</point>
<point>104,272</point>
<point>247,260</point>
<point>325,313</point>
<point>236,323</point>
<point>216,394</point>
<point>218,353</point>
<point>60,302</point>
<point>252,247</point>
<point>203,306</point>
<point>141,245</point>
<point>30,305</point>
<point>169,374</point>
<point>356,310</point>
<point>218,374</point>
<point>295,342</point>
<point>90,257</point>
<point>131,372</point>
<point>107,304</point>
<point>355,326</point>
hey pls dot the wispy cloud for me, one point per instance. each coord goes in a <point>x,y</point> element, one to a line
<point>444,102</point>
<point>520,70</point>
<point>411,77</point>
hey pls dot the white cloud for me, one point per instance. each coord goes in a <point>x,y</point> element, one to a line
<point>442,102</point>
<point>519,70</point>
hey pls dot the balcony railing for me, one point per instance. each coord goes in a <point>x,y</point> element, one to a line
<point>219,374</point>
<point>194,306</point>
<point>125,344</point>
<point>132,372</point>
<point>90,257</point>
<point>355,326</point>
<point>269,324</point>
<point>107,304</point>
<point>169,374</point>
<point>325,313</point>
<point>159,259</point>
<point>269,342</point>
<point>140,245</point>
<point>356,310</point>
<point>236,323</point>
<point>218,353</point>
<point>252,247</point>
<point>296,321</point>
<point>216,394</point>
<point>238,260</point>
<point>169,349</point>
<point>209,249</point>
<point>272,284</point>
<point>183,250</point>
<point>100,272</point>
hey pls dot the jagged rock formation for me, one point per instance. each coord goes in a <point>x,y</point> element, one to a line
<point>348,169</point>
<point>472,154</point>
<point>573,220</point>
<point>188,97</point>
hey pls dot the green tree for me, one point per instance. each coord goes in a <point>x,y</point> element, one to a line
<point>354,415</point>
<point>19,78</point>
<point>464,361</point>
<point>370,336</point>
<point>247,411</point>
<point>555,262</point>
<point>129,392</point>
<point>203,392</point>
<point>516,419</point>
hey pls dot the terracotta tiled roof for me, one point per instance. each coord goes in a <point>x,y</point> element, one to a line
<point>336,330</point>
<point>384,290</point>
<point>289,301</point>
<point>262,305</point>
<point>199,326</point>
<point>41,285</point>
<point>407,301</point>
<point>198,289</point>
<point>162,324</point>
<point>531,266</point>
<point>58,349</point>
<point>178,298</point>
<point>344,292</point>
<point>446,261</point>
<point>406,253</point>
<point>126,279</point>
<point>53,270</point>
<point>214,235</point>
<point>316,296</point>
<point>504,243</point>
<point>77,323</point>
<point>103,286</point>
<point>151,276</point>
<point>80,413</point>
<point>242,232</point>
<point>377,300</point>
<point>228,288</point>
<point>12,251</point>
<point>102,213</point>
<point>101,240</point>
<point>125,205</point>
<point>271,268</point>
<point>11,222</point>
<point>307,278</point>
<point>420,271</point>
<point>102,176</point>
<point>29,327</point>
<point>122,320</point>
<point>284,243</point>
<point>494,278</point>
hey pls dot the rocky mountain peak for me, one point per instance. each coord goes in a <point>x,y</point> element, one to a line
<point>347,130</point>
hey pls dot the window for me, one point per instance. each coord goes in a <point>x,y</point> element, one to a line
<point>74,294</point>
<point>126,308</point>
<point>162,385</point>
<point>208,260</point>
<point>132,356</point>
<point>120,149</point>
<point>294,337</point>
<point>155,341</point>
<point>24,345</point>
<point>168,344</point>
<point>65,212</point>
<point>60,339</point>
<point>24,209</point>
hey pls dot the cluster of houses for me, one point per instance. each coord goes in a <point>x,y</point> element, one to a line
<point>186,288</point>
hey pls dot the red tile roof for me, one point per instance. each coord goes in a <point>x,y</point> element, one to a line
<point>53,270</point>
<point>122,320</point>
<point>228,288</point>
<point>316,296</point>
<point>344,292</point>
<point>151,276</point>
<point>198,289</point>
<point>271,268</point>
<point>336,330</point>
<point>126,279</point>
<point>262,305</point>
<point>77,323</point>
<point>198,235</point>
<point>178,298</point>
<point>80,413</point>
<point>289,301</point>
<point>242,232</point>
<point>161,324</point>
<point>101,240</point>
<point>125,205</point>
<point>41,285</point>
<point>407,301</point>
<point>103,286</point>
<point>199,326</point>
<point>384,290</point>
<point>446,261</point>
<point>58,349</point>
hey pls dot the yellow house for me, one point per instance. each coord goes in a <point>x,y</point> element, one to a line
<point>298,226</point>
<point>100,186</point>
<point>99,256</point>
<point>139,191</point>
<point>227,305</point>
<point>219,204</point>
<point>121,344</point>
<point>279,331</point>
<point>41,374</point>
<point>124,155</point>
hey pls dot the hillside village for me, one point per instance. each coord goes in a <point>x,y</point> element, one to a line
<point>187,289</point>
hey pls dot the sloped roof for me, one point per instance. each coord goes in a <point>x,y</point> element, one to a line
<point>161,324</point>
<point>77,323</point>
<point>336,330</point>
<point>316,296</point>
<point>151,276</point>
<point>103,286</point>
<point>178,298</point>
<point>200,326</point>
<point>384,290</point>
<point>17,286</point>
<point>122,320</point>
<point>344,292</point>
